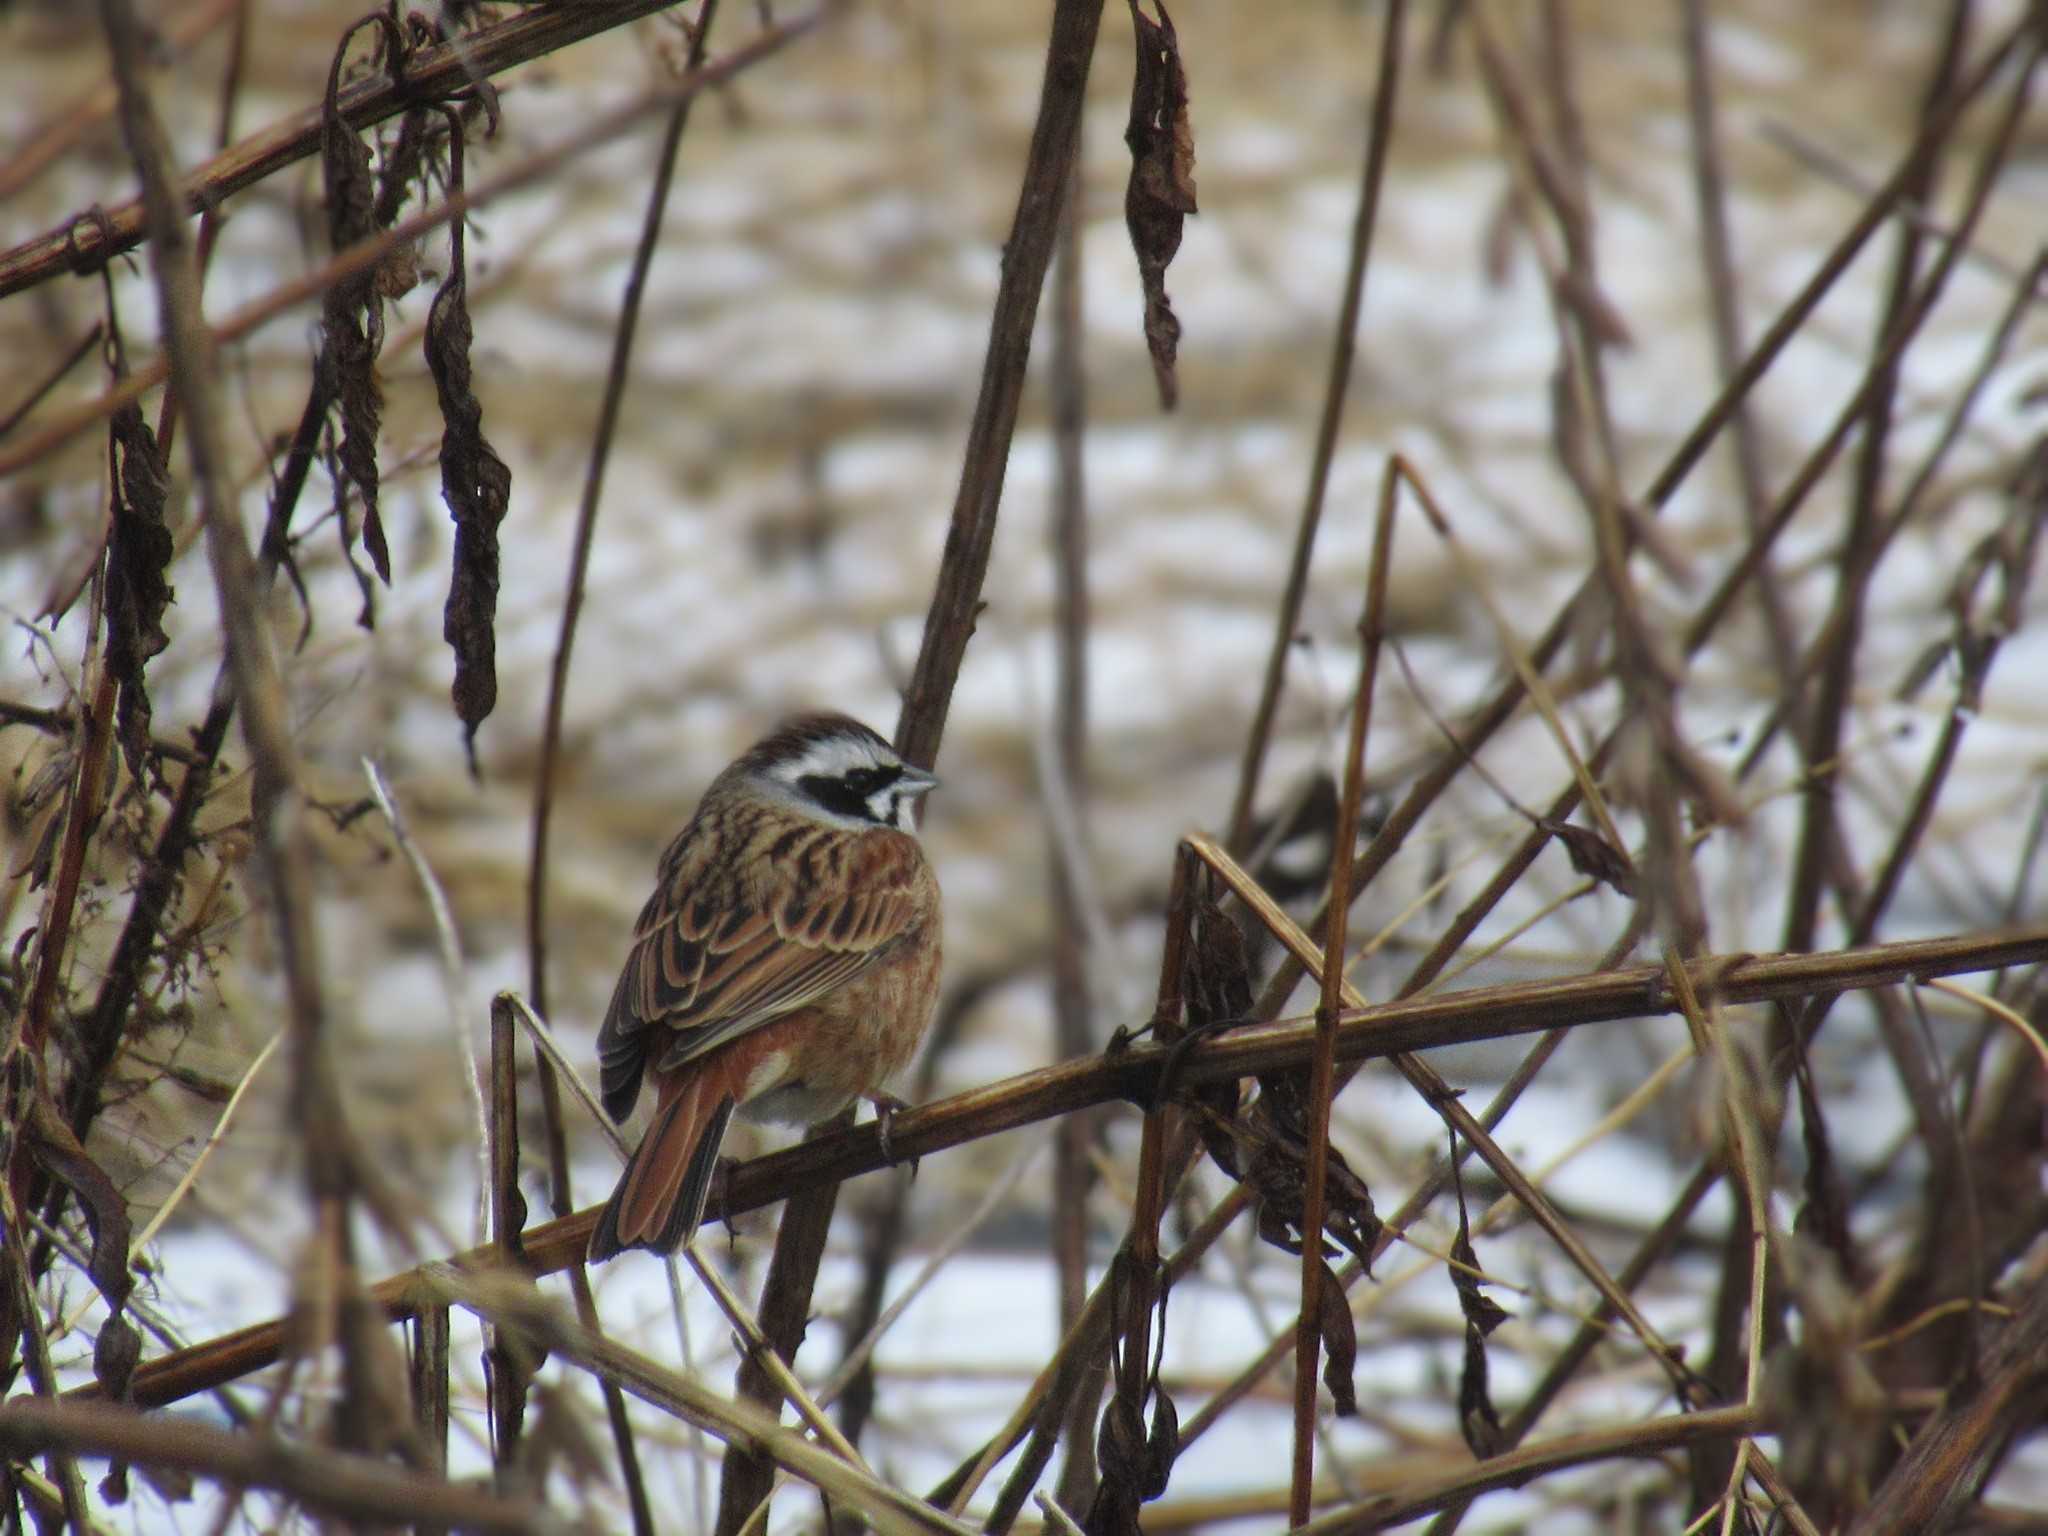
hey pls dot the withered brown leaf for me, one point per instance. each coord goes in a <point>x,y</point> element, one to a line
<point>1477,1417</point>
<point>61,1155</point>
<point>477,485</point>
<point>1340,1342</point>
<point>352,316</point>
<point>1592,855</point>
<point>1161,192</point>
<point>139,550</point>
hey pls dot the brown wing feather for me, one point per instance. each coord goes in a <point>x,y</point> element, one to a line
<point>764,917</point>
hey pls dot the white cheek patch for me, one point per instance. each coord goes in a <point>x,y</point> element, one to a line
<point>768,1072</point>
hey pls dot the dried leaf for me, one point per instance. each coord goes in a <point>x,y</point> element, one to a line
<point>1819,1385</point>
<point>115,1354</point>
<point>1824,1217</point>
<point>1340,1342</point>
<point>1218,986</point>
<point>403,170</point>
<point>114,1486</point>
<point>405,161</point>
<point>1348,1213</point>
<point>1477,1417</point>
<point>1593,856</point>
<point>139,550</point>
<point>64,1158</point>
<point>1602,316</point>
<point>1134,1462</point>
<point>510,1365</point>
<point>476,485</point>
<point>1297,861</point>
<point>1161,191</point>
<point>1219,979</point>
<point>1162,1445</point>
<point>352,320</point>
<point>1119,1452</point>
<point>1276,1133</point>
<point>1219,1138</point>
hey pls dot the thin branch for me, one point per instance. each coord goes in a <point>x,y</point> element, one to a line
<point>1344,345</point>
<point>348,1486</point>
<point>596,133</point>
<point>1513,1469</point>
<point>623,338</point>
<point>1133,1075</point>
<point>284,855</point>
<point>454,984</point>
<point>84,245</point>
<point>1063,773</point>
<point>1323,1070</point>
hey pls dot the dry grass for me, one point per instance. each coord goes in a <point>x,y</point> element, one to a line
<point>1709,480</point>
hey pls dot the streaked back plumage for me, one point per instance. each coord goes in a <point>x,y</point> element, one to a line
<point>770,901</point>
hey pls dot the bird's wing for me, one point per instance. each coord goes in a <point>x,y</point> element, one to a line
<point>722,950</point>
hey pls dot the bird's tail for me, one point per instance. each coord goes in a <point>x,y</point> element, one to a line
<point>660,1198</point>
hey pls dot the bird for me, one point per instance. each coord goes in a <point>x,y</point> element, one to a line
<point>785,966</point>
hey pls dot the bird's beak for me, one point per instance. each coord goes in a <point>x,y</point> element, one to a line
<point>917,781</point>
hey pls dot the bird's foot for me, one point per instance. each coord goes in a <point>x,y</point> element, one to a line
<point>887,1107</point>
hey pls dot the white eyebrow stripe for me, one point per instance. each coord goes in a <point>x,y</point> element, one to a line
<point>832,758</point>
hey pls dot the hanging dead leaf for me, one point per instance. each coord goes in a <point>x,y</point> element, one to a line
<point>1218,987</point>
<point>139,550</point>
<point>1340,1342</point>
<point>58,1150</point>
<point>1592,855</point>
<point>352,320</point>
<point>1219,979</point>
<point>1134,1462</point>
<point>1477,1417</point>
<point>1162,1443</point>
<point>1161,191</point>
<point>1277,1124</point>
<point>1119,1460</point>
<point>115,1354</point>
<point>476,485</point>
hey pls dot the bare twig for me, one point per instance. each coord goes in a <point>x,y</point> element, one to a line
<point>738,1424</point>
<point>431,74</point>
<point>39,391</point>
<point>1946,1465</point>
<point>1514,1468</point>
<point>349,1486</point>
<point>623,337</point>
<point>1323,1069</point>
<point>281,836</point>
<point>454,983</point>
<point>1064,776</point>
<point>1344,345</point>
<point>598,131</point>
